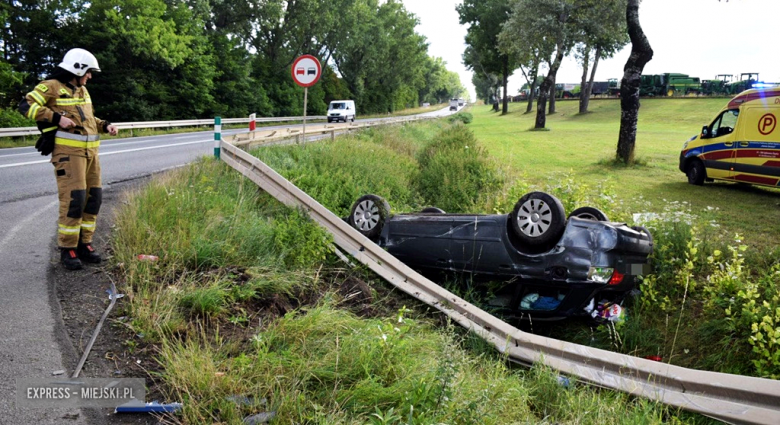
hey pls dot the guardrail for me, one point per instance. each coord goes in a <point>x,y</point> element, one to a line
<point>730,398</point>
<point>259,137</point>
<point>33,131</point>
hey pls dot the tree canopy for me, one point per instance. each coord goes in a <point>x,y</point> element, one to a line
<point>184,59</point>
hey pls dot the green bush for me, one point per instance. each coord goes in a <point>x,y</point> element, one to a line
<point>12,118</point>
<point>336,174</point>
<point>463,117</point>
<point>454,172</point>
<point>300,241</point>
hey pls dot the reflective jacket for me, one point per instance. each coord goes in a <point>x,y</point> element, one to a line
<point>49,101</point>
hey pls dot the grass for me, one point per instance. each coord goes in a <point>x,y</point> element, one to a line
<point>246,299</point>
<point>582,146</point>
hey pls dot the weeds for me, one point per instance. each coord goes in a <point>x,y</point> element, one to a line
<point>229,254</point>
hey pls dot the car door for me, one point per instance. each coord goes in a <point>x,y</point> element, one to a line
<point>478,246</point>
<point>420,240</point>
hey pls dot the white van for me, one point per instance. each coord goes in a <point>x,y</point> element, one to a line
<point>454,104</point>
<point>341,110</point>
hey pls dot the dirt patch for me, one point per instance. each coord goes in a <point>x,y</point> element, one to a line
<point>83,299</point>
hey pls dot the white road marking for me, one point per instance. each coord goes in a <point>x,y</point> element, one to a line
<point>11,233</point>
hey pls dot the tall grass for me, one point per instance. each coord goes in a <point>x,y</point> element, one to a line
<point>245,300</point>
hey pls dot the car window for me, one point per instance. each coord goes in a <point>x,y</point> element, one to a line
<point>725,123</point>
<point>337,106</point>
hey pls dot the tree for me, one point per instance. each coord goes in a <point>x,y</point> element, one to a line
<point>552,27</point>
<point>604,34</point>
<point>528,54</point>
<point>641,54</point>
<point>485,19</point>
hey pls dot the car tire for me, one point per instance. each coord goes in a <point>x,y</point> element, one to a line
<point>330,120</point>
<point>433,210</point>
<point>368,215</point>
<point>589,213</point>
<point>538,219</point>
<point>696,172</point>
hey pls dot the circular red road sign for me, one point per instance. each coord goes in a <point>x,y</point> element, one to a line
<point>767,124</point>
<point>306,71</point>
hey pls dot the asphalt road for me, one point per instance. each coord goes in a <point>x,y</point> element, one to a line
<point>32,344</point>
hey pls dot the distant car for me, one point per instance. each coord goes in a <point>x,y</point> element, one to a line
<point>453,104</point>
<point>461,102</point>
<point>553,266</point>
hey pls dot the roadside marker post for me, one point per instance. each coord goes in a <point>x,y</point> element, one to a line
<point>217,135</point>
<point>252,124</point>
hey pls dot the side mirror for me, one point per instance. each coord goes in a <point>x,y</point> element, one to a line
<point>705,132</point>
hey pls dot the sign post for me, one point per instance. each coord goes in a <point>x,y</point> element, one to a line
<point>306,71</point>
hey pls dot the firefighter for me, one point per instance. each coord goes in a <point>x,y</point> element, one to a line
<point>63,110</point>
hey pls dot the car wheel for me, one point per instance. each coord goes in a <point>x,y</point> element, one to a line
<point>696,172</point>
<point>589,213</point>
<point>369,214</point>
<point>538,219</point>
<point>433,210</point>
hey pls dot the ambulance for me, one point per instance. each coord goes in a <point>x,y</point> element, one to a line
<point>742,143</point>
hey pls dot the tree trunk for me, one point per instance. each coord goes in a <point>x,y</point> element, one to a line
<point>544,90</point>
<point>641,54</point>
<point>584,105</point>
<point>505,108</point>
<point>552,97</point>
<point>531,92</point>
<point>497,93</point>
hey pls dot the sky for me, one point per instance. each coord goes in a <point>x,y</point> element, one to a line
<point>701,38</point>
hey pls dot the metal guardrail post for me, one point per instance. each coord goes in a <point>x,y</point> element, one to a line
<point>217,135</point>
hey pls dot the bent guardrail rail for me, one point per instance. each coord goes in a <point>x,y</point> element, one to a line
<point>33,131</point>
<point>730,398</point>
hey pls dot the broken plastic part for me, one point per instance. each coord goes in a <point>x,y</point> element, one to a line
<point>137,406</point>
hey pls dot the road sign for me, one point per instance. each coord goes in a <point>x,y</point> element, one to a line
<point>306,71</point>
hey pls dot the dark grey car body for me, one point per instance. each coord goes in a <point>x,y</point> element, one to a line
<point>485,246</point>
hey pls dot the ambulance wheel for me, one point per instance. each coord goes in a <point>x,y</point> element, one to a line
<point>696,172</point>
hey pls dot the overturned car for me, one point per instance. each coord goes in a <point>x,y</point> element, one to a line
<point>552,266</point>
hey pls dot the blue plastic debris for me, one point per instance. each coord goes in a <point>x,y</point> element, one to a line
<point>137,406</point>
<point>545,303</point>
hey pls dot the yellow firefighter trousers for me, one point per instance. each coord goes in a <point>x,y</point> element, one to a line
<point>80,192</point>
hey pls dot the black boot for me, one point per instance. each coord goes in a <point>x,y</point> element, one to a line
<point>70,258</point>
<point>87,253</point>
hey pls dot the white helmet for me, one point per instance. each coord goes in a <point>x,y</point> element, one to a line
<point>79,61</point>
